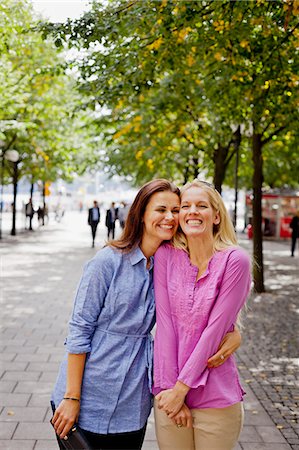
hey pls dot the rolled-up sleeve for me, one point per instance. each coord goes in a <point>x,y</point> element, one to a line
<point>89,301</point>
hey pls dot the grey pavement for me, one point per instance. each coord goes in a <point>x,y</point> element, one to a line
<point>39,274</point>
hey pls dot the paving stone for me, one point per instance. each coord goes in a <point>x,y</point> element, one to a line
<point>7,386</point>
<point>17,414</point>
<point>40,430</point>
<point>41,357</point>
<point>39,400</point>
<point>55,358</point>
<point>50,349</point>
<point>270,434</point>
<point>7,430</point>
<point>33,387</point>
<point>262,446</point>
<point>150,445</point>
<point>43,444</point>
<point>249,434</point>
<point>49,414</point>
<point>4,356</point>
<point>10,375</point>
<point>150,429</point>
<point>18,445</point>
<point>45,367</point>
<point>15,347</point>
<point>49,376</point>
<point>255,417</point>
<point>237,447</point>
<point>13,399</point>
<point>7,334</point>
<point>15,365</point>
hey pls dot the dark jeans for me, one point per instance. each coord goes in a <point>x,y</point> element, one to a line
<point>111,230</point>
<point>294,240</point>
<point>94,226</point>
<point>132,440</point>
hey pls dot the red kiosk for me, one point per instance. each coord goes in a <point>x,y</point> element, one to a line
<point>278,208</point>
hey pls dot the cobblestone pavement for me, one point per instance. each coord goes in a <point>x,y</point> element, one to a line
<point>39,274</point>
<point>268,359</point>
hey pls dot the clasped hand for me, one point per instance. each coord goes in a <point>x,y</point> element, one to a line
<point>170,401</point>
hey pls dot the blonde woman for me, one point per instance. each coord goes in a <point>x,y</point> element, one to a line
<point>201,282</point>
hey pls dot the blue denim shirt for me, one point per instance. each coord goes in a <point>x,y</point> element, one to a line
<point>113,315</point>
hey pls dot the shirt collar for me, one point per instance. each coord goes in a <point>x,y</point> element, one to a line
<point>136,256</point>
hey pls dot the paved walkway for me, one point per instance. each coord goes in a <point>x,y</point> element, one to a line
<point>39,274</point>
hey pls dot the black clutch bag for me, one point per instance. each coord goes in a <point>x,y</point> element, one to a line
<point>75,440</point>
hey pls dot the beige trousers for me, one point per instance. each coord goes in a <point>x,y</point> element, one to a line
<point>213,429</point>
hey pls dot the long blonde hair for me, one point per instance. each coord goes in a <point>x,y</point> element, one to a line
<point>224,233</point>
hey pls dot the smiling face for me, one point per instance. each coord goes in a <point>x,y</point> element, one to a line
<point>160,219</point>
<point>197,216</point>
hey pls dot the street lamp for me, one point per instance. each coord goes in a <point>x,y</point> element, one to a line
<point>12,156</point>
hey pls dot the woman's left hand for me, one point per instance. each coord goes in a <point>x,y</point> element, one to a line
<point>170,402</point>
<point>230,343</point>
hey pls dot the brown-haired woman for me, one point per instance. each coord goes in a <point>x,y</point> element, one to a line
<point>104,382</point>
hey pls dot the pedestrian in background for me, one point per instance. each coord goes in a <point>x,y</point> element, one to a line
<point>41,215</point>
<point>104,382</point>
<point>294,225</point>
<point>94,218</point>
<point>201,283</point>
<point>111,216</point>
<point>122,214</point>
<point>29,213</point>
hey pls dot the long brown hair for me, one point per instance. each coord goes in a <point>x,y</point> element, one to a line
<point>132,234</point>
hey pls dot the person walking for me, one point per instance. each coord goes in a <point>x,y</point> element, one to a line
<point>122,213</point>
<point>104,381</point>
<point>29,213</point>
<point>94,218</point>
<point>201,282</point>
<point>111,216</point>
<point>294,225</point>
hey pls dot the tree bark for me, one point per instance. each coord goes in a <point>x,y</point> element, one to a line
<point>219,158</point>
<point>44,202</point>
<point>195,167</point>
<point>31,190</point>
<point>257,182</point>
<point>15,191</point>
<point>237,143</point>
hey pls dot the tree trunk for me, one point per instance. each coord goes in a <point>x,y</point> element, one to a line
<point>219,157</point>
<point>44,202</point>
<point>186,173</point>
<point>237,143</point>
<point>195,167</point>
<point>1,192</point>
<point>15,191</point>
<point>31,189</point>
<point>257,182</point>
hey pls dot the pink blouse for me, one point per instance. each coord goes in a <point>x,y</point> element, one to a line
<point>192,319</point>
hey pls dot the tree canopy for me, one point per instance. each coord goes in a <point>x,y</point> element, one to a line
<point>174,80</point>
<point>40,115</point>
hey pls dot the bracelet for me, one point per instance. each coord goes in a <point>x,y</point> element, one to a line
<point>71,398</point>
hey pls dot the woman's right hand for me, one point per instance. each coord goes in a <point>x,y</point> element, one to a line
<point>65,416</point>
